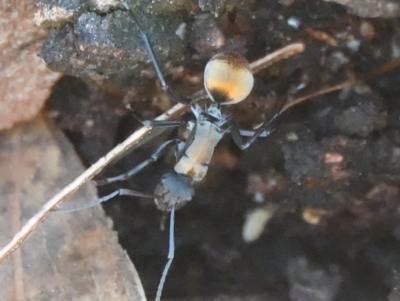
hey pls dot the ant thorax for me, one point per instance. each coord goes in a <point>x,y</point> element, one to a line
<point>206,133</point>
<point>211,114</point>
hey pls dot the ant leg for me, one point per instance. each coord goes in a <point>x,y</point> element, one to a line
<point>159,123</point>
<point>175,96</point>
<point>250,133</point>
<point>266,129</point>
<point>163,123</point>
<point>156,123</point>
<point>263,131</point>
<point>171,254</point>
<point>153,158</point>
<point>98,201</point>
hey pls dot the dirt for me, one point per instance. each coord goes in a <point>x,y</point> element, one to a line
<point>332,166</point>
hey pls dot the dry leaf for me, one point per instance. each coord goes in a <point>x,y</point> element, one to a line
<point>72,256</point>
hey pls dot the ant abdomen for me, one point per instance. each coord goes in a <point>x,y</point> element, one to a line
<point>228,78</point>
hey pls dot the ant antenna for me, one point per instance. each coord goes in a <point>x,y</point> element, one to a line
<point>175,96</point>
<point>147,44</point>
<point>171,254</point>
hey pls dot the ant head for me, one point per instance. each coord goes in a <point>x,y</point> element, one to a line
<point>228,78</point>
<point>173,191</point>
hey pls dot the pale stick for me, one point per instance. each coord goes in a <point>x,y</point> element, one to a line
<point>136,139</point>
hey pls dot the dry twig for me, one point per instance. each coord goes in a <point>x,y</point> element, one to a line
<point>133,141</point>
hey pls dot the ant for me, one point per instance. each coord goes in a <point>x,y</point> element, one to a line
<point>228,79</point>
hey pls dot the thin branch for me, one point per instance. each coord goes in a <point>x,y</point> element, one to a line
<point>276,56</point>
<point>135,140</point>
<point>343,85</point>
<point>359,79</point>
<point>145,133</point>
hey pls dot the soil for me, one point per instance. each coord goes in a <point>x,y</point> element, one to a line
<point>332,166</point>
